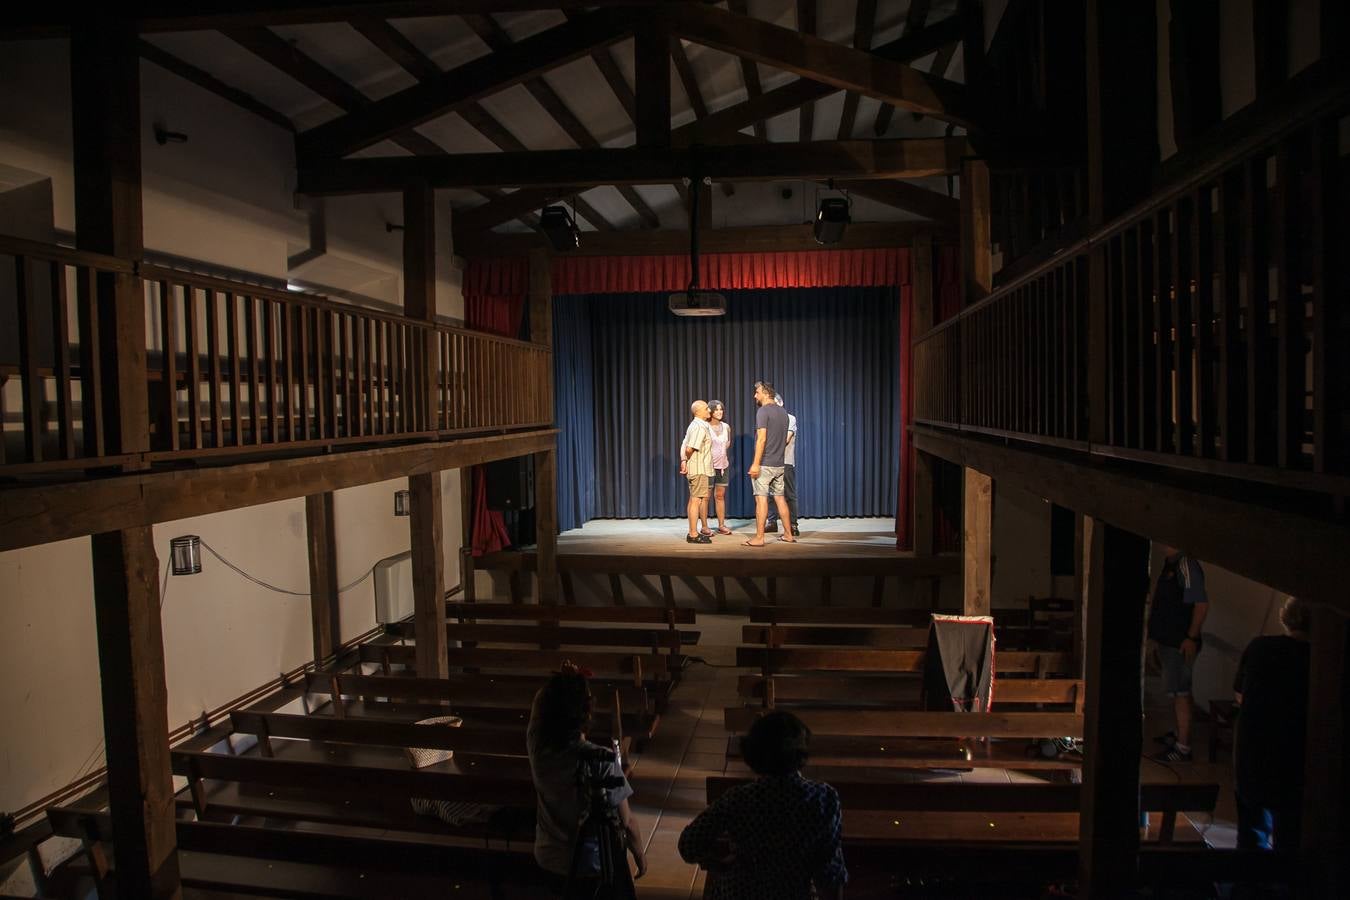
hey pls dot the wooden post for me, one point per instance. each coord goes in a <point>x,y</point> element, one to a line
<point>466,568</point>
<point>1115,584</point>
<point>106,118</point>
<point>323,586</point>
<point>135,712</point>
<point>977,539</point>
<point>1082,554</point>
<point>977,265</point>
<point>546,524</point>
<point>1326,822</point>
<point>922,309</point>
<point>651,58</point>
<point>425,527</point>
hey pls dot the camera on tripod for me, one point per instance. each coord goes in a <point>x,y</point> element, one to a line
<point>593,767</point>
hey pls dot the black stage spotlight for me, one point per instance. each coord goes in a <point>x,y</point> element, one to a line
<point>558,226</point>
<point>831,220</point>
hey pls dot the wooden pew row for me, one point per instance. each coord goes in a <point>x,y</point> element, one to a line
<point>637,668</point>
<point>924,740</point>
<point>914,618</point>
<point>655,615</point>
<point>550,636</point>
<point>357,785</point>
<point>897,691</point>
<point>478,698</point>
<point>276,862</point>
<point>777,659</point>
<point>882,637</point>
<point>944,812</point>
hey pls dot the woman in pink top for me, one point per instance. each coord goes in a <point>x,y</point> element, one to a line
<point>721,445</point>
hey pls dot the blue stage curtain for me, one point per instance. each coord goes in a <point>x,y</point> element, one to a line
<point>832,352</point>
<point>574,410</point>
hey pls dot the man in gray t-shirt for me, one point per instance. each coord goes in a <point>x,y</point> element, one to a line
<point>766,472</point>
<point>789,474</point>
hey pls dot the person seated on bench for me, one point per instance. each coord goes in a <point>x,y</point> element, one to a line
<point>556,740</point>
<point>1271,688</point>
<point>774,837</point>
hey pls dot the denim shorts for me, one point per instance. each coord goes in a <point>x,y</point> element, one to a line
<point>1176,671</point>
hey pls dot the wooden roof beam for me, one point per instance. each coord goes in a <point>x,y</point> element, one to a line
<point>915,19</point>
<point>806,24</point>
<point>581,169</point>
<point>913,198</point>
<point>842,67</point>
<point>204,79</point>
<point>498,40</point>
<point>749,70</point>
<point>863,28</point>
<point>472,81</point>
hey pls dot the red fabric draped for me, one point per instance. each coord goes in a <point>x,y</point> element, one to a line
<point>494,301</point>
<point>731,271</point>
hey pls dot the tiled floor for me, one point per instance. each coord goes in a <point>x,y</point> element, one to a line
<point>668,776</point>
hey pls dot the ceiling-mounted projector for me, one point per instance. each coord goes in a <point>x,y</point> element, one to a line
<point>694,302</point>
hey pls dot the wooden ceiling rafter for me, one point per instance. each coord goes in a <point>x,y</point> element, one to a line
<point>206,80</point>
<point>916,17</point>
<point>749,69</point>
<point>806,24</point>
<point>479,78</point>
<point>724,125</point>
<point>864,27</point>
<point>846,68</point>
<point>604,60</point>
<point>496,38</point>
<point>580,169</point>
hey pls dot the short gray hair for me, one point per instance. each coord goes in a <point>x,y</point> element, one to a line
<point>1296,615</point>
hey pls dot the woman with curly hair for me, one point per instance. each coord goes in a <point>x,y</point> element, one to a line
<point>556,741</point>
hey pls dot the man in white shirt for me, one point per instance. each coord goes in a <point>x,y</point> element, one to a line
<point>696,464</point>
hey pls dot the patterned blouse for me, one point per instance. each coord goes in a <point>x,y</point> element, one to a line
<point>784,834</point>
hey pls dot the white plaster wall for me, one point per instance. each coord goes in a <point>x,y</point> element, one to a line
<point>224,198</point>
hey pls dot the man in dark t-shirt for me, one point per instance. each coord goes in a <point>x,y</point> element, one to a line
<point>767,470</point>
<point>1271,688</point>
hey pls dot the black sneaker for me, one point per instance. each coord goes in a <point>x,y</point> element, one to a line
<point>796,531</point>
<point>1168,739</point>
<point>771,528</point>
<point>1174,755</point>
<point>697,539</point>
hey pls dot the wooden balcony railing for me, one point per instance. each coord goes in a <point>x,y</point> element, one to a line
<point>1203,329</point>
<point>235,368</point>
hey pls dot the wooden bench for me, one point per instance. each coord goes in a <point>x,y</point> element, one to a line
<point>773,660</point>
<point>633,615</point>
<point>636,668</point>
<point>280,862</point>
<point>862,691</point>
<point>924,740</point>
<point>349,784</point>
<point>485,699</point>
<point>895,629</point>
<point>945,812</point>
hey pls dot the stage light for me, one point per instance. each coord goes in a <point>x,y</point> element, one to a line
<point>185,554</point>
<point>559,228</point>
<point>831,219</point>
<point>402,503</point>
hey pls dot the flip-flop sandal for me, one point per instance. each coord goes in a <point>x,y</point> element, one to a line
<point>721,530</point>
<point>748,544</point>
<point>783,540</point>
<point>705,533</point>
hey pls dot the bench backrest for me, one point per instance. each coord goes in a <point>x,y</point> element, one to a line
<point>898,690</point>
<point>869,660</point>
<point>548,634</point>
<point>653,615</point>
<point>887,723</point>
<point>467,691</point>
<point>637,666</point>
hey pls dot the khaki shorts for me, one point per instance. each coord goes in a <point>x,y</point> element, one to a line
<point>769,483</point>
<point>698,486</point>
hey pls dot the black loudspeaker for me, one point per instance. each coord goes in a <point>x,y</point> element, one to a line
<point>510,484</point>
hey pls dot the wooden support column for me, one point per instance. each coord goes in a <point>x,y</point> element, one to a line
<point>425,525</point>
<point>466,567</point>
<point>1082,556</point>
<point>1326,821</point>
<point>977,540</point>
<point>323,585</point>
<point>977,265</point>
<point>1115,583</point>
<point>135,712</point>
<point>106,118</point>
<point>651,58</point>
<point>546,462</point>
<point>106,121</point>
<point>921,320</point>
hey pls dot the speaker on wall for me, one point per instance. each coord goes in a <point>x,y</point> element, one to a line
<point>510,484</point>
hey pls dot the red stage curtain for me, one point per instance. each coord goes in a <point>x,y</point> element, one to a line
<point>494,301</point>
<point>731,271</point>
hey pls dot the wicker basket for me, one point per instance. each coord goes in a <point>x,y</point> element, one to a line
<point>421,757</point>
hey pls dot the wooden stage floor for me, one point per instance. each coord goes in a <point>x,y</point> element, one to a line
<point>827,547</point>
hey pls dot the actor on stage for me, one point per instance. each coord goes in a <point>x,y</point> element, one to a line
<point>766,472</point>
<point>789,475</point>
<point>696,464</point>
<point>721,461</point>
